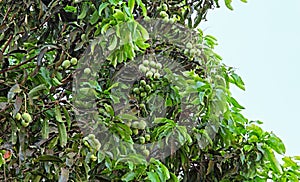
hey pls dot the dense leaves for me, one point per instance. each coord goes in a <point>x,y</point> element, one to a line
<point>43,47</point>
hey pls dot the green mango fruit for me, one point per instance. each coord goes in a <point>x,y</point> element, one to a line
<point>135,131</point>
<point>27,117</point>
<point>156,76</point>
<point>66,64</point>
<point>147,137</point>
<point>24,123</point>
<point>142,125</point>
<point>74,61</point>
<point>149,74</point>
<point>146,152</point>
<point>18,116</point>
<point>143,82</point>
<point>135,124</point>
<point>87,71</point>
<point>146,62</point>
<point>188,45</point>
<point>142,140</point>
<point>152,64</point>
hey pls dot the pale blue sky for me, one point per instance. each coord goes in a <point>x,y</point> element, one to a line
<point>262,40</point>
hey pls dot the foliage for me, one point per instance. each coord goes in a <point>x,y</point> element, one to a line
<point>42,45</point>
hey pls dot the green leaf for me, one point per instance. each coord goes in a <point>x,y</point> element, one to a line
<point>235,103</point>
<point>173,178</point>
<point>131,5</point>
<point>114,2</point>
<point>53,142</point>
<point>127,117</point>
<point>142,5</point>
<point>143,31</point>
<point>70,9</point>
<point>58,116</point>
<point>36,89</point>
<point>124,131</point>
<point>62,131</point>
<point>153,177</point>
<point>269,154</point>
<point>109,109</point>
<point>228,4</point>
<point>288,162</point>
<point>256,130</point>
<point>3,99</point>
<point>203,138</point>
<point>210,167</point>
<point>94,17</point>
<point>128,176</point>
<point>141,44</point>
<point>45,129</point>
<point>84,9</point>
<point>67,116</point>
<point>297,158</point>
<point>164,170</point>
<point>275,143</point>
<point>119,15</point>
<point>12,91</point>
<point>105,27</point>
<point>113,44</point>
<point>102,7</point>
<point>46,75</point>
<point>163,120</point>
<point>184,132</point>
<point>49,158</point>
<point>237,80</point>
<point>2,160</point>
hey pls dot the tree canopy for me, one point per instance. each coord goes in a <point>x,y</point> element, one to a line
<point>130,90</point>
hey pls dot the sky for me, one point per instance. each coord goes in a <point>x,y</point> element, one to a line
<point>261,40</point>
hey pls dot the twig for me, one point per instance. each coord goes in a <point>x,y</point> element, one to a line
<point>6,14</point>
<point>16,66</point>
<point>7,43</point>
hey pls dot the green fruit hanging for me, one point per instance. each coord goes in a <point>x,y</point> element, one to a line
<point>149,74</point>
<point>152,64</point>
<point>74,61</point>
<point>143,69</point>
<point>136,90</point>
<point>66,64</point>
<point>147,137</point>
<point>135,131</point>
<point>146,152</point>
<point>158,66</point>
<point>135,124</point>
<point>27,117</point>
<point>18,116</point>
<point>24,123</point>
<point>143,94</point>
<point>188,45</point>
<point>142,140</point>
<point>142,125</point>
<point>87,71</point>
<point>156,76</point>
<point>148,88</point>
<point>143,82</point>
<point>145,62</point>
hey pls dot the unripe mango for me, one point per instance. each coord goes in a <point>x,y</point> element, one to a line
<point>18,116</point>
<point>27,117</point>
